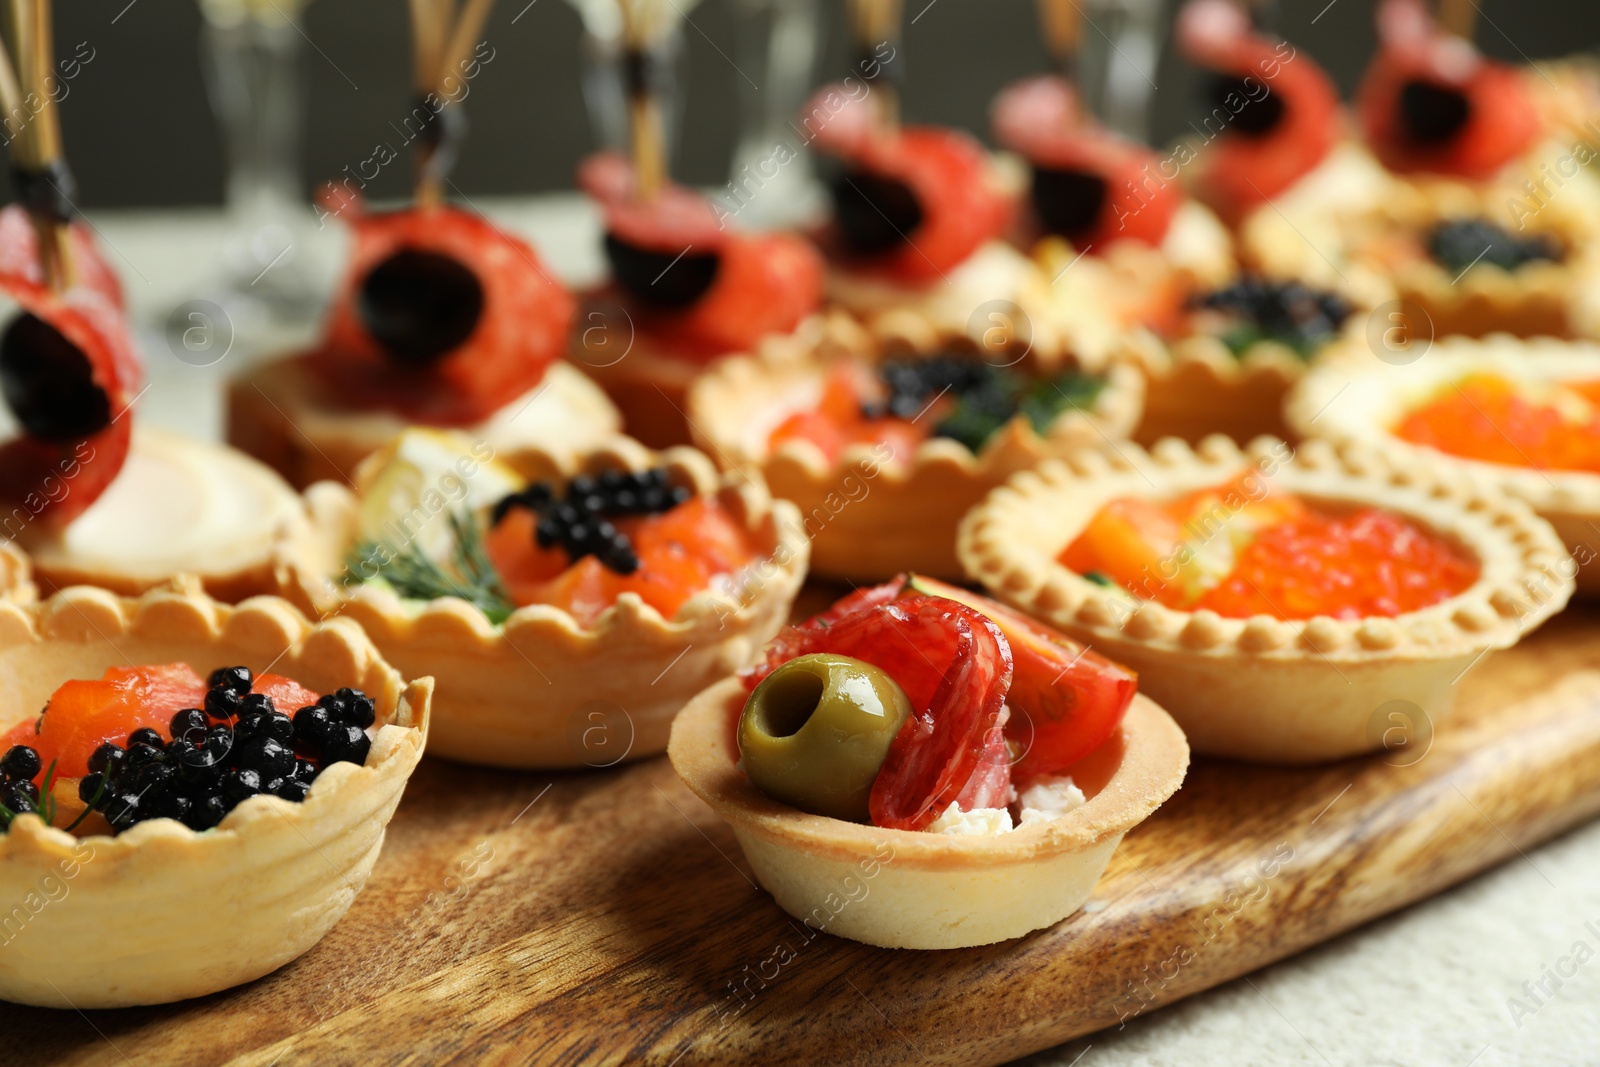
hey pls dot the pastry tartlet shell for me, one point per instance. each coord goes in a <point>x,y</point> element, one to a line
<point>1537,299</point>
<point>245,569</point>
<point>16,575</point>
<point>1196,387</point>
<point>1354,399</point>
<point>1262,688</point>
<point>870,518</point>
<point>275,413</point>
<point>98,922</point>
<point>911,889</point>
<point>543,689</point>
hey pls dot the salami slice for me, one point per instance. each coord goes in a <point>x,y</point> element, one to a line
<point>519,327</point>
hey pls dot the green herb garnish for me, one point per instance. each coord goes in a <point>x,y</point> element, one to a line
<point>978,414</point>
<point>1098,579</point>
<point>471,575</point>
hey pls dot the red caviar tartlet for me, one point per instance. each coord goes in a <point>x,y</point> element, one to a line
<point>1275,601</point>
<point>1522,415</point>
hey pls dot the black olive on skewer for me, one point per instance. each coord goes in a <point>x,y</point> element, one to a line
<point>49,383</point>
<point>420,306</point>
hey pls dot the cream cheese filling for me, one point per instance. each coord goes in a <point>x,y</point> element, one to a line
<point>178,505</point>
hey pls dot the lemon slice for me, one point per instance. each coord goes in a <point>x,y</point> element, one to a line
<point>419,479</point>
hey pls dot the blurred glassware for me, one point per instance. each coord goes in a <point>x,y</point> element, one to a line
<point>250,54</point>
<point>1117,62</point>
<point>604,72</point>
<point>777,52</point>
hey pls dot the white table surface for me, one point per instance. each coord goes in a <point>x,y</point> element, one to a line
<point>1431,985</point>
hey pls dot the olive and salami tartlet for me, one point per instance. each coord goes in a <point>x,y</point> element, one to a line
<point>548,596</point>
<point>974,769</point>
<point>1520,415</point>
<point>1275,120</point>
<point>150,789</point>
<point>1275,601</point>
<point>692,291</point>
<point>441,319</point>
<point>93,499</point>
<point>883,457</point>
<point>1117,245</point>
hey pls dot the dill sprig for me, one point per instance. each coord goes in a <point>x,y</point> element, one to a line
<point>471,575</point>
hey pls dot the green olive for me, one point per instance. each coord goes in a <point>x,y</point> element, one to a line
<point>816,731</point>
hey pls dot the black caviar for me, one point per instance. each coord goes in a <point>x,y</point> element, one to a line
<point>579,521</point>
<point>1462,243</point>
<point>972,399</point>
<point>208,767</point>
<point>1289,313</point>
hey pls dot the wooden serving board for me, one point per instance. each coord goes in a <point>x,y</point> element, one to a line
<point>608,917</point>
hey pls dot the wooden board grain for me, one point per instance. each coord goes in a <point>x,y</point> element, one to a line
<point>608,917</point>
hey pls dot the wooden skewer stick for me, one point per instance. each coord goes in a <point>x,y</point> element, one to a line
<point>644,29</point>
<point>1459,17</point>
<point>876,22</point>
<point>1063,34</point>
<point>443,37</point>
<point>36,146</point>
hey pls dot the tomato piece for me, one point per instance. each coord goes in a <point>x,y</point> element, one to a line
<point>955,668</point>
<point>946,170</point>
<point>521,331</point>
<point>1066,699</point>
<point>1040,119</point>
<point>1129,540</point>
<point>1243,168</point>
<point>1500,121</point>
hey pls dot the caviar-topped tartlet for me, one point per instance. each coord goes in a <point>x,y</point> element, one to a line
<point>442,318</point>
<point>975,769</point>
<point>566,608</point>
<point>1231,361</point>
<point>92,499</point>
<point>1452,234</point>
<point>1522,415</point>
<point>1275,601</point>
<point>171,753</point>
<point>884,456</point>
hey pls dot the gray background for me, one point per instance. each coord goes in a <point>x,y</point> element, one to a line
<point>140,132</point>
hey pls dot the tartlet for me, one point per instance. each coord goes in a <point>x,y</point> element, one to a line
<point>273,878</point>
<point>179,506</point>
<point>925,890</point>
<point>1263,688</point>
<point>281,414</point>
<point>1357,399</point>
<point>544,689</point>
<point>869,513</point>
<point>16,575</point>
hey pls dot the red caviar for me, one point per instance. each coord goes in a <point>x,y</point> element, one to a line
<point>1239,552</point>
<point>1489,418</point>
<point>680,552</point>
